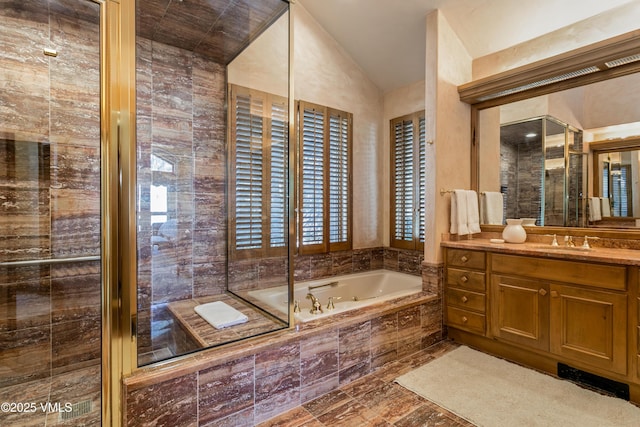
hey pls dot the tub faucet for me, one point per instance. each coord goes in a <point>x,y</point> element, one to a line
<point>316,306</point>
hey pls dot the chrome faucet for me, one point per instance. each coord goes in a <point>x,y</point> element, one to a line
<point>316,306</point>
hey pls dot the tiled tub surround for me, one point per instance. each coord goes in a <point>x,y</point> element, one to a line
<point>248,382</point>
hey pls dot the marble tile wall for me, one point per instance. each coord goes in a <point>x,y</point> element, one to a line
<point>180,120</point>
<point>49,315</point>
<point>290,369</point>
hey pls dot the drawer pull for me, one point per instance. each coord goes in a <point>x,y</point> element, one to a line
<point>464,319</point>
<point>542,292</point>
<point>464,299</point>
<point>464,258</point>
<point>555,294</point>
<point>464,279</point>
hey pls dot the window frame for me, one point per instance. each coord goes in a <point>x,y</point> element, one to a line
<point>325,246</point>
<point>418,190</point>
<point>265,250</point>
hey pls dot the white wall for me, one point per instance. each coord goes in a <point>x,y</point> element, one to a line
<point>325,74</point>
<point>448,120</point>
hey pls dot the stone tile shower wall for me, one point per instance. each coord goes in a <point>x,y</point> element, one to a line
<point>49,315</point>
<point>180,120</point>
<point>521,174</point>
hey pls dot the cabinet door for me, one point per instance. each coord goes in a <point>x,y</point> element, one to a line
<point>589,326</point>
<point>520,311</point>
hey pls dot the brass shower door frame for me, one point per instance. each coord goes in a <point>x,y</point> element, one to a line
<point>118,166</point>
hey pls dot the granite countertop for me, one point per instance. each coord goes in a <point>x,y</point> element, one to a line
<point>595,254</point>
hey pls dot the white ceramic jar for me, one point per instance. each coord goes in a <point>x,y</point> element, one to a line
<point>514,232</point>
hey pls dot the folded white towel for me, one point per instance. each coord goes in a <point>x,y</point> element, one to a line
<point>605,206</point>
<point>473,214</point>
<point>459,212</point>
<point>491,211</point>
<point>594,209</point>
<point>220,315</point>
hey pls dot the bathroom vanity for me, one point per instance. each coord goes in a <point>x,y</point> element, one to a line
<point>541,305</point>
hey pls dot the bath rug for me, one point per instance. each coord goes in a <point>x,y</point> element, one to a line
<point>220,315</point>
<point>488,391</point>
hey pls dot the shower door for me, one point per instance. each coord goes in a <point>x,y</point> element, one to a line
<point>50,213</point>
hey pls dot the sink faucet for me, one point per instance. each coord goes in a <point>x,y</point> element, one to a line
<point>316,306</point>
<point>568,242</point>
<point>585,244</point>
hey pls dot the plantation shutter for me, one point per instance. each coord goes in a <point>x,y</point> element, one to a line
<point>312,178</point>
<point>278,174</point>
<point>408,162</point>
<point>338,180</point>
<point>325,181</point>
<point>258,167</point>
<point>422,181</point>
<point>248,169</point>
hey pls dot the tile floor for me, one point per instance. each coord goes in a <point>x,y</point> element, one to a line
<point>375,400</point>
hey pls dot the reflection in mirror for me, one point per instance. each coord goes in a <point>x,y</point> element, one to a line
<point>535,155</point>
<point>197,198</point>
<point>565,123</point>
<point>616,167</point>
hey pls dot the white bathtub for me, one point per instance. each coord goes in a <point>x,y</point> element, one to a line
<point>349,292</point>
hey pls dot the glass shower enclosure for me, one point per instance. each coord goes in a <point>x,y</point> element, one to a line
<point>543,171</point>
<point>212,130</point>
<point>50,213</point>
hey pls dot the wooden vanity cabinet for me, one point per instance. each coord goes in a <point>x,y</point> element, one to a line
<point>520,311</point>
<point>571,309</point>
<point>581,313</point>
<point>589,326</point>
<point>465,290</point>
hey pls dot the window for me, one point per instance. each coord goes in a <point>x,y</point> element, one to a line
<point>324,185</point>
<point>408,181</point>
<point>258,173</point>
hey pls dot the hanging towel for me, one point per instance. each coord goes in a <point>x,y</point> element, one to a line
<point>459,212</point>
<point>491,209</point>
<point>605,206</point>
<point>473,214</point>
<point>220,315</point>
<point>594,209</point>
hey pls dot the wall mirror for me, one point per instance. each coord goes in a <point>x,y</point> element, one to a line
<point>586,130</point>
<point>535,152</point>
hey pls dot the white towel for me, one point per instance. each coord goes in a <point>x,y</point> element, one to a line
<point>459,212</point>
<point>220,315</point>
<point>605,206</point>
<point>594,209</point>
<point>473,214</point>
<point>491,209</point>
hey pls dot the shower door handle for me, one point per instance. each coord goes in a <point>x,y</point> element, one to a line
<point>48,261</point>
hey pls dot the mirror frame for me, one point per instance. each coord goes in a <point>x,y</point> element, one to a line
<point>544,77</point>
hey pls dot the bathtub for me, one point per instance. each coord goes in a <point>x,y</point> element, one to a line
<point>349,292</point>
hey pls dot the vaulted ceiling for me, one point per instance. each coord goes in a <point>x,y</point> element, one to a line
<point>387,38</point>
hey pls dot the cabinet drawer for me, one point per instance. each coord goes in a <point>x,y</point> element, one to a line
<point>466,300</point>
<point>574,272</point>
<point>468,279</point>
<point>468,320</point>
<point>465,258</point>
